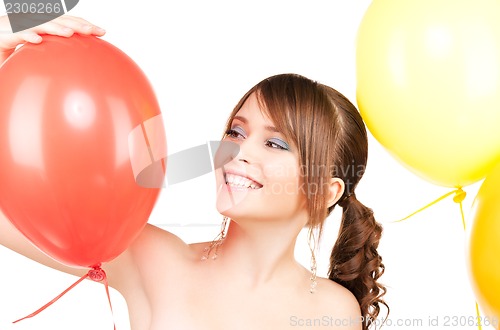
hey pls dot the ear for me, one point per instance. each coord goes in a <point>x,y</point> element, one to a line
<point>335,191</point>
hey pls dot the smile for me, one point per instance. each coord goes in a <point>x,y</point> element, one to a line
<point>238,181</point>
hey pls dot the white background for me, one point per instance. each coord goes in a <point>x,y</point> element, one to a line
<point>201,57</point>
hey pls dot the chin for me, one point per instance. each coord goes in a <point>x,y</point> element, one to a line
<point>232,199</point>
<point>239,206</point>
<point>230,205</point>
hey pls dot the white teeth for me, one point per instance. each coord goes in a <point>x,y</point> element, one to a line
<point>241,182</point>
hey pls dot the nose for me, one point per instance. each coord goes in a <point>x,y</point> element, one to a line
<point>248,152</point>
<point>224,152</point>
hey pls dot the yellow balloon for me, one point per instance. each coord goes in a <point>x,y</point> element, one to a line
<point>428,85</point>
<point>483,246</point>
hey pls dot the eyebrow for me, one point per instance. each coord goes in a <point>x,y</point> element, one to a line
<point>245,121</point>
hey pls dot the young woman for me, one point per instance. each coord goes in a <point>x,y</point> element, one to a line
<point>302,149</point>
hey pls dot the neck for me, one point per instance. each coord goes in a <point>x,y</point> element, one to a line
<point>261,250</point>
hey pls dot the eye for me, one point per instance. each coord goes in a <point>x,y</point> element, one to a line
<point>277,144</point>
<point>236,133</point>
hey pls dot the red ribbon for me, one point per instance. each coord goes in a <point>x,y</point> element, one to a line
<point>96,274</point>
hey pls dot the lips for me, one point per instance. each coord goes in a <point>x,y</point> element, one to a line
<point>242,182</point>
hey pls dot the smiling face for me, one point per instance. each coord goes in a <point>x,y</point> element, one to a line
<point>303,148</point>
<point>263,181</point>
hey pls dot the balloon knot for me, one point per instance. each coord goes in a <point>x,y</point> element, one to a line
<point>97,274</point>
<point>459,195</point>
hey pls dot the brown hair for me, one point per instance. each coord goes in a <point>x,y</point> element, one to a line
<point>331,140</point>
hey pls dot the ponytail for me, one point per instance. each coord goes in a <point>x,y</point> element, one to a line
<point>355,262</point>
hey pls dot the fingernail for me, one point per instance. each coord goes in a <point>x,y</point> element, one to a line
<point>36,38</point>
<point>67,30</point>
<point>101,30</point>
<point>87,27</point>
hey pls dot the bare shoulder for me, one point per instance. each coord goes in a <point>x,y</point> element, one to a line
<point>154,250</point>
<point>340,303</point>
<point>153,237</point>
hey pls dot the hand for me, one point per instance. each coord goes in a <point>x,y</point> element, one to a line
<point>64,26</point>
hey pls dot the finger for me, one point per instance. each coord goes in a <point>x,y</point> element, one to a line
<point>80,25</point>
<point>54,29</point>
<point>10,43</point>
<point>75,18</point>
<point>29,37</point>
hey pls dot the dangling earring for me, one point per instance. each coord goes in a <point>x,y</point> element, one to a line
<point>217,242</point>
<point>311,242</point>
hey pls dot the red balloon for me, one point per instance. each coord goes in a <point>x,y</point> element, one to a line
<point>80,125</point>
